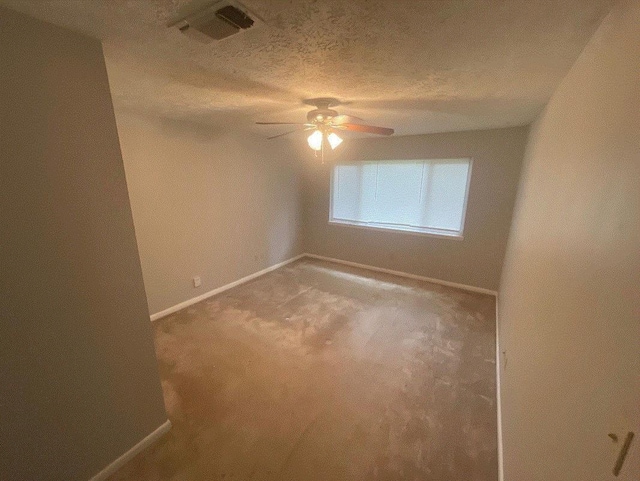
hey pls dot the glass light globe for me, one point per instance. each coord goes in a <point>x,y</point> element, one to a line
<point>315,140</point>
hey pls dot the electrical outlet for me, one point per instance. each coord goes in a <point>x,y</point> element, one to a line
<point>196,281</point>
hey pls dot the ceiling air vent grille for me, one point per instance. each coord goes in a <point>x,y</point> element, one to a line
<point>215,22</point>
<point>235,16</point>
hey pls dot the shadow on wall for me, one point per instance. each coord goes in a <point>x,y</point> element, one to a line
<point>177,128</point>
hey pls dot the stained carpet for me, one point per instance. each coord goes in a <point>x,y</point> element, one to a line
<point>320,372</point>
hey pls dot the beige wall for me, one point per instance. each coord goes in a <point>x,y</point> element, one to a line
<point>79,380</point>
<point>476,260</point>
<point>570,294</point>
<point>205,202</point>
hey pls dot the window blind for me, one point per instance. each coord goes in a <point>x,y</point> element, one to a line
<point>419,195</point>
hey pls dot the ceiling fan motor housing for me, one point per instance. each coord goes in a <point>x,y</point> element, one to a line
<point>321,115</point>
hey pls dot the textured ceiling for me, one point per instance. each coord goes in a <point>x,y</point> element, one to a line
<point>417,66</point>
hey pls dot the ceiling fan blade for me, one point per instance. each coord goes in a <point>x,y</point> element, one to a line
<point>283,123</point>
<point>368,129</point>
<point>290,132</point>
<point>343,119</point>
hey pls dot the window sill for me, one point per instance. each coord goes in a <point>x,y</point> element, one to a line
<point>407,230</point>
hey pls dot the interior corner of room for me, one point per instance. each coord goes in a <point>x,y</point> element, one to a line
<point>407,250</point>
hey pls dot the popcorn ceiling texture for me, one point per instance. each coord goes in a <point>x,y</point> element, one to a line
<point>417,66</point>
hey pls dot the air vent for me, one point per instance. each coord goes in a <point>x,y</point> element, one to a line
<point>235,16</point>
<point>215,22</point>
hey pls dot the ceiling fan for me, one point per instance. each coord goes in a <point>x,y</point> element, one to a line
<point>326,123</point>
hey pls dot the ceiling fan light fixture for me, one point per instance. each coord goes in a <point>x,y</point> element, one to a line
<point>334,140</point>
<point>324,122</point>
<point>315,140</point>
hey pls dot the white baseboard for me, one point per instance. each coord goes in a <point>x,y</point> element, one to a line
<point>206,295</point>
<point>126,457</point>
<point>498,399</point>
<point>218,290</point>
<point>481,290</point>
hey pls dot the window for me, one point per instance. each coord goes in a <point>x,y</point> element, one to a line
<point>427,196</point>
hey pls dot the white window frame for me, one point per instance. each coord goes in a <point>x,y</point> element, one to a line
<point>407,229</point>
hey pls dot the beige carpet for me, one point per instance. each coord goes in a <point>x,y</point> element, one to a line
<point>318,372</point>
